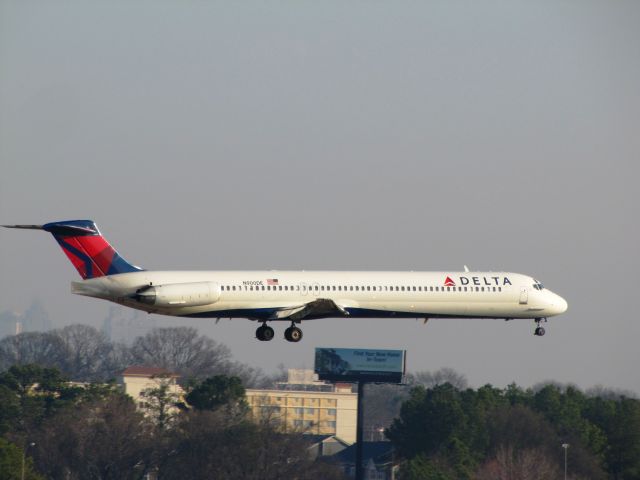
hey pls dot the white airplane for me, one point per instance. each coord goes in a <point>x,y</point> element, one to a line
<point>292,296</point>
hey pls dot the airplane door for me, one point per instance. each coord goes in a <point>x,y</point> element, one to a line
<point>524,296</point>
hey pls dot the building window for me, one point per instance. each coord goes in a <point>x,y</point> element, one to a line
<point>331,412</point>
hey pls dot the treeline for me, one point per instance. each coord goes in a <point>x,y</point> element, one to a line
<point>85,354</point>
<point>441,429</point>
<point>95,432</point>
<point>447,433</point>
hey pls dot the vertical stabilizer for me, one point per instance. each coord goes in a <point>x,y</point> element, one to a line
<point>85,247</point>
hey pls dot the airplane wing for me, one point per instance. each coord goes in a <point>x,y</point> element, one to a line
<point>321,307</point>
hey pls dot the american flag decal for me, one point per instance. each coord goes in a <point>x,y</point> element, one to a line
<point>272,281</point>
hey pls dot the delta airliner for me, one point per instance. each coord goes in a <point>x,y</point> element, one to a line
<point>294,296</point>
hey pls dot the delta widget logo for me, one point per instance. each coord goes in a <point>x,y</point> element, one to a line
<point>449,283</point>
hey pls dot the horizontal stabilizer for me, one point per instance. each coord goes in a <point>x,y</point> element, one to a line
<point>27,227</point>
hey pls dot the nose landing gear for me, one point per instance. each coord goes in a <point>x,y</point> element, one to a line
<point>539,331</point>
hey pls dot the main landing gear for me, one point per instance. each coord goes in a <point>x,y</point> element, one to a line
<point>539,331</point>
<point>264,333</point>
<point>293,333</point>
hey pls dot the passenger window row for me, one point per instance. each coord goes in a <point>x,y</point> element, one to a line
<point>357,288</point>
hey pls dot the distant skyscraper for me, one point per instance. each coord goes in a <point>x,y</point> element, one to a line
<point>34,319</point>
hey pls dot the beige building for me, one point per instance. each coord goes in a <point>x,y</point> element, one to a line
<point>304,404</point>
<point>136,379</point>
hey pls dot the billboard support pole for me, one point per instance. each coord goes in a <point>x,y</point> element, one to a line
<point>360,366</point>
<point>359,429</point>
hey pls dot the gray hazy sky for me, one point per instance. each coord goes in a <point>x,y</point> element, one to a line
<point>338,135</point>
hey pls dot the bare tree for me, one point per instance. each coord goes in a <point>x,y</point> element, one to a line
<point>43,349</point>
<point>512,464</point>
<point>610,393</point>
<point>91,355</point>
<point>382,405</point>
<point>182,350</point>
<point>208,445</point>
<point>105,439</point>
<point>439,377</point>
<point>252,377</point>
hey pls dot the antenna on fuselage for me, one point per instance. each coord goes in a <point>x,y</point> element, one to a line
<point>466,269</point>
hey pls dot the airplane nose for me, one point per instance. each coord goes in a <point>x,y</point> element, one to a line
<point>560,305</point>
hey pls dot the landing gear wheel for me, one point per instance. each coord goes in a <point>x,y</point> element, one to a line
<point>539,331</point>
<point>264,333</point>
<point>293,334</point>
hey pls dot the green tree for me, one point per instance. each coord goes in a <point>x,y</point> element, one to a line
<point>161,401</point>
<point>428,419</point>
<point>32,393</point>
<point>11,462</point>
<point>515,395</point>
<point>421,467</point>
<point>623,431</point>
<point>216,391</point>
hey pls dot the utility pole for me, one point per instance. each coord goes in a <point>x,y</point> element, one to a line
<point>24,455</point>
<point>565,446</point>
<point>359,427</point>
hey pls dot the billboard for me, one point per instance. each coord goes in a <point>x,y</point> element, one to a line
<point>358,364</point>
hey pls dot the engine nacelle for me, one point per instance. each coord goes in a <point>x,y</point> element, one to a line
<point>192,294</point>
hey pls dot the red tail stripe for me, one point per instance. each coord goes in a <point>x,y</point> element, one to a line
<point>77,243</point>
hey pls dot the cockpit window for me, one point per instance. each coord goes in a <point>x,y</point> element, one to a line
<point>537,285</point>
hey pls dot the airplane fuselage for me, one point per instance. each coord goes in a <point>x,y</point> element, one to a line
<point>260,295</point>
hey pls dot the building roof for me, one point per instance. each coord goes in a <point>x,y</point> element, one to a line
<point>314,438</point>
<point>144,371</point>
<point>376,451</point>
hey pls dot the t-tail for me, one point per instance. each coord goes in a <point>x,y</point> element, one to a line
<point>85,246</point>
